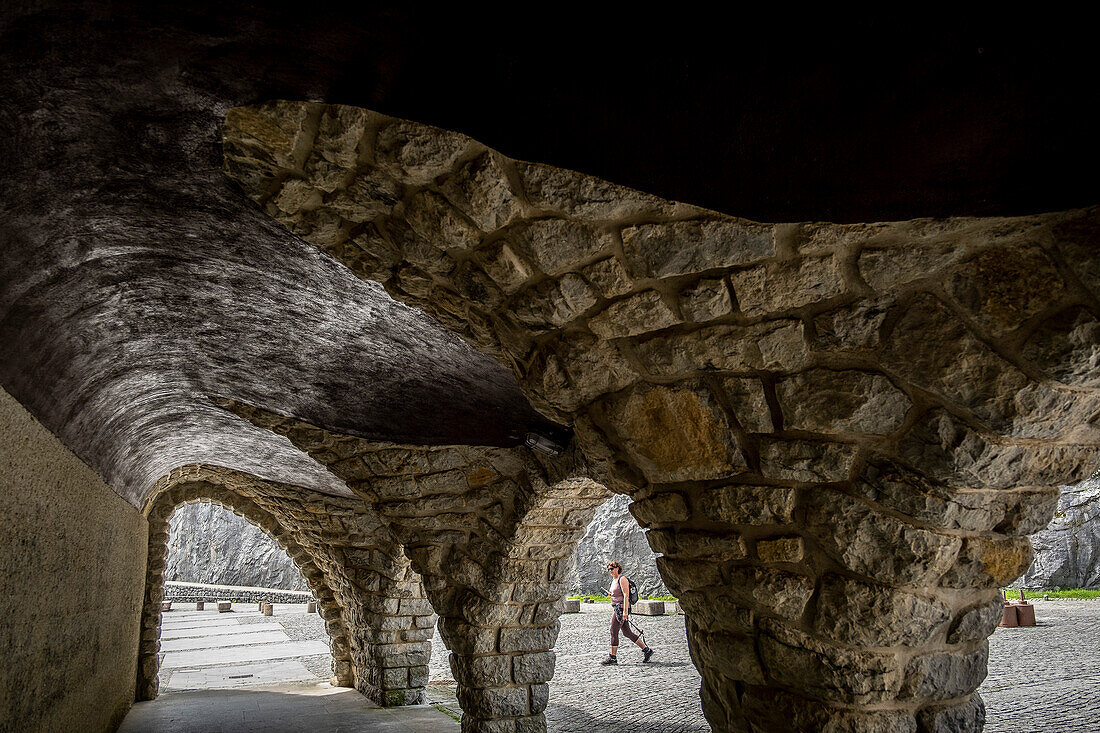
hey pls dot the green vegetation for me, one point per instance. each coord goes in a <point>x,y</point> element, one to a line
<point>1067,593</point>
<point>607,599</point>
<point>446,711</point>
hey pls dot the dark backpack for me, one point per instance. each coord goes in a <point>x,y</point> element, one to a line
<point>633,591</point>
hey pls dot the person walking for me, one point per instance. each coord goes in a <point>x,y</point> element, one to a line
<point>620,616</point>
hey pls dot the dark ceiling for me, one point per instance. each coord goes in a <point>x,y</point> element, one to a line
<point>136,280</point>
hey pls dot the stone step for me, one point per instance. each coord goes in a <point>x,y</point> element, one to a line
<point>241,654</point>
<point>226,640</point>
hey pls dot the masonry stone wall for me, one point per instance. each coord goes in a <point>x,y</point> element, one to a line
<point>72,565</point>
<point>195,592</point>
<point>837,437</point>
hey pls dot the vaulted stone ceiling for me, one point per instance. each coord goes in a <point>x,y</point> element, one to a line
<point>136,280</point>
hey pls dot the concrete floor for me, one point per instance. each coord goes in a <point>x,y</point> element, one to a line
<point>241,672</point>
<point>307,707</point>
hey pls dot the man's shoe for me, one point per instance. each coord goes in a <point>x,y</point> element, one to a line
<point>611,659</point>
<point>646,654</point>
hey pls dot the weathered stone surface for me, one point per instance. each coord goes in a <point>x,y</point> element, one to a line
<point>880,546</point>
<point>609,277</point>
<point>821,400</point>
<point>554,302</point>
<point>1067,347</point>
<point>648,608</point>
<point>785,285</point>
<point>678,434</point>
<point>692,246</point>
<point>749,504</point>
<point>481,190</point>
<point>777,345</point>
<point>706,300</point>
<point>557,246</point>
<point>418,153</point>
<point>1003,287</point>
<point>886,269</point>
<point>750,405</point>
<point>803,460</point>
<point>640,313</point>
<point>866,614</point>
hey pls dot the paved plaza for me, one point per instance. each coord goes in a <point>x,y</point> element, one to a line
<point>243,671</point>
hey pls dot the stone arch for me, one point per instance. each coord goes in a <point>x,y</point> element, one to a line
<point>194,483</point>
<point>491,532</point>
<point>838,436</point>
<point>374,609</point>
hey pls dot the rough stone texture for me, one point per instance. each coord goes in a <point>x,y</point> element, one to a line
<point>68,634</point>
<point>910,452</point>
<point>208,544</point>
<point>1067,553</point>
<point>492,532</point>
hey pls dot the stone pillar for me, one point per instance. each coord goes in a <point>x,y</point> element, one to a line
<point>839,436</point>
<point>390,623</point>
<point>491,532</point>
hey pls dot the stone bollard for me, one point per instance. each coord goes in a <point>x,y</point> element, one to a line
<point>572,605</point>
<point>165,606</point>
<point>648,608</point>
<point>267,609</point>
<point>200,605</point>
<point>260,606</point>
<point>311,607</point>
<point>678,609</point>
<point>224,606</point>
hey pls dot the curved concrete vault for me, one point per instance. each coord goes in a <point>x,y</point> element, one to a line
<point>837,436</point>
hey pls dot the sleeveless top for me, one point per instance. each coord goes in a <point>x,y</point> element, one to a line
<point>617,591</point>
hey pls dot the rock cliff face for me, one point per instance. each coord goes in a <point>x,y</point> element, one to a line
<point>209,544</point>
<point>1067,553</point>
<point>615,535</point>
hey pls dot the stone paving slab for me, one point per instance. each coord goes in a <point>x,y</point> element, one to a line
<point>287,708</point>
<point>237,675</point>
<point>223,640</point>
<point>198,623</point>
<point>202,631</point>
<point>239,654</point>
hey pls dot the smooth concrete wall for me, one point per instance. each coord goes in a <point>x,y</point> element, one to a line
<point>72,573</point>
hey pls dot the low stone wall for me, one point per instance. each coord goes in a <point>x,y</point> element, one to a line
<point>194,592</point>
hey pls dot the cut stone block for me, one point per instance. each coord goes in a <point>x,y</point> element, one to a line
<point>649,608</point>
<point>572,605</point>
<point>224,606</point>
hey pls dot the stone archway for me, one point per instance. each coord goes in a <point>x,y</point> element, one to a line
<point>375,614</point>
<point>838,436</point>
<point>492,532</point>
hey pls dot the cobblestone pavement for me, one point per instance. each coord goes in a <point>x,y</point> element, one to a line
<point>1041,679</point>
<point>1046,678</point>
<point>659,697</point>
